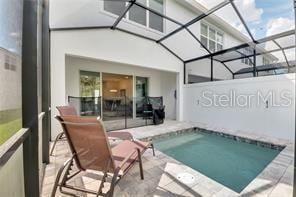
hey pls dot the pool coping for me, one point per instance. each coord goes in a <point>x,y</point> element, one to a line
<point>275,178</point>
<point>261,143</point>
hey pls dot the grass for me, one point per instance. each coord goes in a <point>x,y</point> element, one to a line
<point>8,129</point>
<point>9,115</point>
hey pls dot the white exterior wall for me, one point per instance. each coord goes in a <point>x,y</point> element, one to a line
<point>78,13</point>
<point>272,121</point>
<point>160,83</point>
<point>106,45</point>
<point>81,13</point>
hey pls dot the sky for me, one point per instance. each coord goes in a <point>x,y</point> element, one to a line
<point>277,16</point>
<point>263,18</point>
<point>11,25</point>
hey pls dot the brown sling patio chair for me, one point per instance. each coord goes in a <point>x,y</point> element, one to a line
<point>90,150</point>
<point>71,111</point>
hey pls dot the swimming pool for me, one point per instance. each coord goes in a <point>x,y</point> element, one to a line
<point>232,163</point>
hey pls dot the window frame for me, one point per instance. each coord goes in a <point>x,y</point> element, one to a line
<point>127,16</point>
<point>247,61</point>
<point>265,61</point>
<point>207,37</point>
<point>146,27</point>
<point>102,9</point>
<point>148,16</point>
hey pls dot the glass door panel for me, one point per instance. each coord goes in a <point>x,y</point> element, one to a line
<point>10,68</point>
<point>141,94</point>
<point>117,93</point>
<point>90,93</point>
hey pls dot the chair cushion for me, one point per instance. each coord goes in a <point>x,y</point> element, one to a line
<point>122,150</point>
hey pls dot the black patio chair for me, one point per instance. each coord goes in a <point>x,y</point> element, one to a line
<point>147,112</point>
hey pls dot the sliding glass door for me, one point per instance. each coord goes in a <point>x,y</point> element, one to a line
<point>90,102</point>
<point>113,94</point>
<point>141,94</point>
<point>117,91</point>
<point>89,84</point>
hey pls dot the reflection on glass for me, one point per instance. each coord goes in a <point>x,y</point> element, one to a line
<point>10,68</point>
<point>117,91</point>
<point>138,14</point>
<point>204,30</point>
<point>115,7</point>
<point>212,45</point>
<point>212,34</point>
<point>155,21</point>
<point>141,86</point>
<point>89,84</point>
<point>141,94</point>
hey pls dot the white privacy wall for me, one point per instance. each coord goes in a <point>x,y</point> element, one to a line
<point>269,121</point>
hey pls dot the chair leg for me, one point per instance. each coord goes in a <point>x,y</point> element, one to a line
<point>56,183</point>
<point>59,136</point>
<point>102,183</point>
<point>140,164</point>
<point>113,183</point>
<point>152,147</point>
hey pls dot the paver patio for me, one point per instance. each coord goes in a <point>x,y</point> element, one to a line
<point>162,173</point>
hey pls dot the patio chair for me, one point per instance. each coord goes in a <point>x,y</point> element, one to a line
<point>159,115</point>
<point>71,111</point>
<point>90,150</point>
<point>147,112</point>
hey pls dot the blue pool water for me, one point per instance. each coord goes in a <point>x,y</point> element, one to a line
<point>229,162</point>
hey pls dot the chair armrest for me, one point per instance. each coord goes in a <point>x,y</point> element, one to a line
<point>118,169</point>
<point>114,139</point>
<point>136,150</point>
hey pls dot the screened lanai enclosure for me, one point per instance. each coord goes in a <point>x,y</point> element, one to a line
<point>218,40</point>
<point>261,48</point>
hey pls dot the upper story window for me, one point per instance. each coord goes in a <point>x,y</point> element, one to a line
<point>247,60</point>
<point>139,15</point>
<point>211,38</point>
<point>156,22</point>
<point>10,63</point>
<point>265,61</point>
<point>115,7</point>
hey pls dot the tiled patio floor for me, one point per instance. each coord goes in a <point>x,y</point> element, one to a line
<point>162,172</point>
